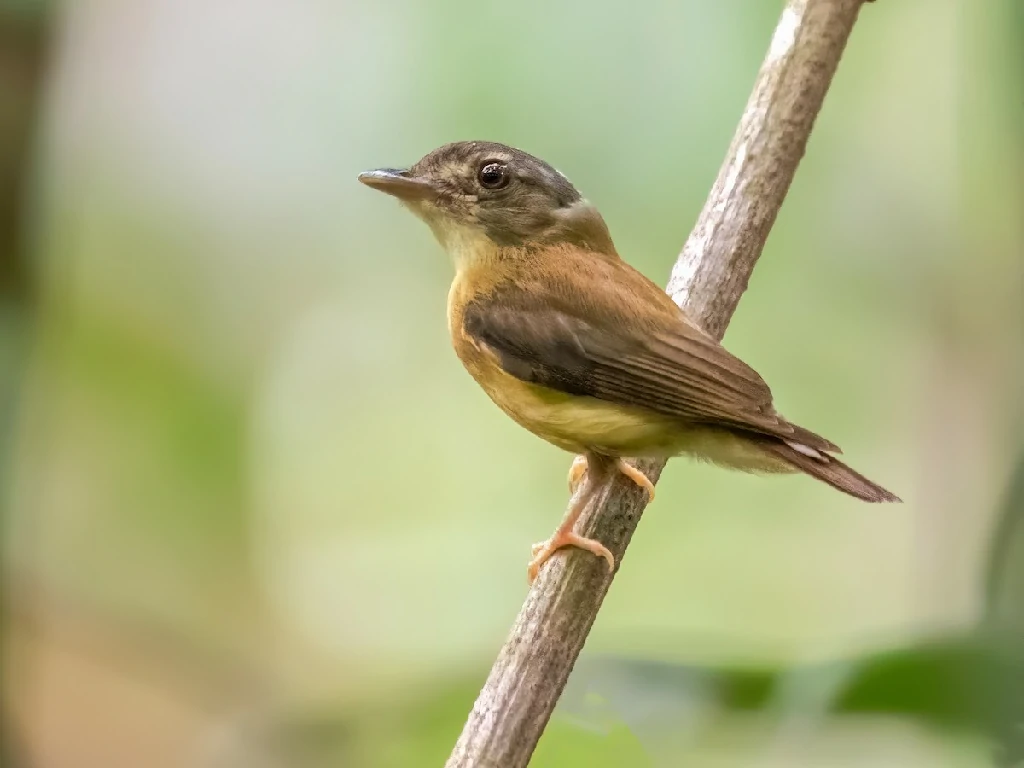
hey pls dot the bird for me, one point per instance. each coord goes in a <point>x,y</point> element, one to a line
<point>580,348</point>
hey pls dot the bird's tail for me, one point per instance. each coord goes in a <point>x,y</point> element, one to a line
<point>830,470</point>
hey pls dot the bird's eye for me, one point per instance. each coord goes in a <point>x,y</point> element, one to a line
<point>493,175</point>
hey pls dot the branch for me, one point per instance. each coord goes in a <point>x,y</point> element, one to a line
<point>708,279</point>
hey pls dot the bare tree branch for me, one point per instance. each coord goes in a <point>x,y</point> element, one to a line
<point>708,279</point>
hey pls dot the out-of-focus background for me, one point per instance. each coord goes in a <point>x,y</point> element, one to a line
<point>256,514</point>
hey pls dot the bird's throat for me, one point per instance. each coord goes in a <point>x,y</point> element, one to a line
<point>467,246</point>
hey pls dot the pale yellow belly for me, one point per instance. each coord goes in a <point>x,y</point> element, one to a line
<point>580,424</point>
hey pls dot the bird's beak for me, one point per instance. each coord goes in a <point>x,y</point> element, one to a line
<point>401,184</point>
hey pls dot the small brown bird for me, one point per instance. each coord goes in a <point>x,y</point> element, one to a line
<point>580,348</point>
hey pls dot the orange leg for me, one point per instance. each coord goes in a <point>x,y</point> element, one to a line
<point>637,477</point>
<point>564,536</point>
<point>579,466</point>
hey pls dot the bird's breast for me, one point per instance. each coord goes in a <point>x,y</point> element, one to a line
<point>571,422</point>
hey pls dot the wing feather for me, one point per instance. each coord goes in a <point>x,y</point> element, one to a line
<point>607,349</point>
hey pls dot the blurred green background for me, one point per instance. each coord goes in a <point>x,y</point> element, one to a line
<point>255,512</point>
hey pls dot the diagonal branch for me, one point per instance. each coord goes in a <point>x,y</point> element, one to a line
<point>707,280</point>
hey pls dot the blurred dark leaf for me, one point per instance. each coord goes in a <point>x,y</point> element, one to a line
<point>973,682</point>
<point>619,712</point>
<point>1005,615</point>
<point>1005,587</point>
<point>24,37</point>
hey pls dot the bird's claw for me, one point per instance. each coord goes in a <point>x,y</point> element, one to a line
<point>543,550</point>
<point>576,472</point>
<point>637,477</point>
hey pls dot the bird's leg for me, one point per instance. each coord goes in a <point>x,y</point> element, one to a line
<point>564,536</point>
<point>579,466</point>
<point>637,477</point>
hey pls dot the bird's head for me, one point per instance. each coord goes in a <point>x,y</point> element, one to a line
<point>478,195</point>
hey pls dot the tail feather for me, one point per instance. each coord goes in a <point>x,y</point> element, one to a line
<point>830,470</point>
<point>809,439</point>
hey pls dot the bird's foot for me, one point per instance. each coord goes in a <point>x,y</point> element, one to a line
<point>576,472</point>
<point>566,538</point>
<point>579,468</point>
<point>636,476</point>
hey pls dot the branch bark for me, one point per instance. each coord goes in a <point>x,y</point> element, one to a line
<point>707,280</point>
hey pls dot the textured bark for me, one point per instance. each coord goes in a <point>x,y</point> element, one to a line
<point>708,279</point>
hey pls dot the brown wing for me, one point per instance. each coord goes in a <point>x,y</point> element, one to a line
<point>619,338</point>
